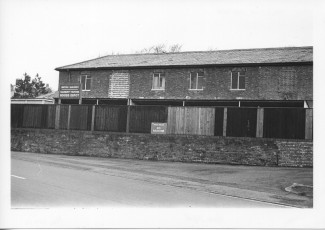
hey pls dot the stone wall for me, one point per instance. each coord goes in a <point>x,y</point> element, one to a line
<point>183,148</point>
<point>293,153</point>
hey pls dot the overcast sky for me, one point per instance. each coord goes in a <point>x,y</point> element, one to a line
<point>40,35</point>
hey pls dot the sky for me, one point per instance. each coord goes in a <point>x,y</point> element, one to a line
<point>39,35</point>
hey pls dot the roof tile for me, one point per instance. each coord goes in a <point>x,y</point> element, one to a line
<point>220,57</point>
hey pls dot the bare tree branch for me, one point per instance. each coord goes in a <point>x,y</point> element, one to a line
<point>175,48</point>
<point>161,48</point>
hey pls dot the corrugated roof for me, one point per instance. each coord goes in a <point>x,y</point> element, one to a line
<point>220,57</point>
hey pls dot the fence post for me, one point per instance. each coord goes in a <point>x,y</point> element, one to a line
<point>309,124</point>
<point>93,118</point>
<point>185,116</point>
<point>128,119</point>
<point>57,117</point>
<point>224,122</point>
<point>69,115</point>
<point>259,122</point>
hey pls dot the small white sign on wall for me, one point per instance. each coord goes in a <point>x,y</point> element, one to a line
<point>158,128</point>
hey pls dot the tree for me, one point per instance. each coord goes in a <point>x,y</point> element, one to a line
<point>161,48</point>
<point>25,88</point>
<point>175,48</point>
<point>212,49</point>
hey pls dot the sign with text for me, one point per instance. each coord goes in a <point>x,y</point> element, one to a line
<point>69,91</point>
<point>158,128</point>
<point>119,85</point>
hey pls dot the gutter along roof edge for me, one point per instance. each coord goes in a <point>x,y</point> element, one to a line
<point>186,66</point>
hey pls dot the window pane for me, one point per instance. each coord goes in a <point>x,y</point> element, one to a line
<point>160,82</point>
<point>242,73</point>
<point>234,80</point>
<point>83,82</point>
<point>162,79</point>
<point>242,82</point>
<point>193,81</point>
<point>199,83</point>
<point>88,83</point>
<point>155,81</point>
<point>200,74</point>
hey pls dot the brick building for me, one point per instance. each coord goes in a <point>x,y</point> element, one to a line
<point>222,133</point>
<point>272,77</point>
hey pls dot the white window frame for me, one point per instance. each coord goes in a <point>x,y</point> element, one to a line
<point>159,76</point>
<point>238,75</point>
<point>86,77</point>
<point>196,79</point>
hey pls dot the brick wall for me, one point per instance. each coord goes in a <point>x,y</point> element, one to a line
<point>273,78</point>
<point>99,82</point>
<point>262,83</point>
<point>207,149</point>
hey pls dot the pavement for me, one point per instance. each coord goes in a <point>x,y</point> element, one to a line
<point>44,180</point>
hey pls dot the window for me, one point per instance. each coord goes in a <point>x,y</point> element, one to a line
<point>287,81</point>
<point>196,80</point>
<point>158,81</point>
<point>238,79</point>
<point>85,82</point>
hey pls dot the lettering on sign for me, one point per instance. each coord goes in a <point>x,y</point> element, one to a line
<point>158,128</point>
<point>118,85</point>
<point>69,91</point>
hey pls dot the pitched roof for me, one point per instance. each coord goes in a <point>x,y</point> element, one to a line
<point>220,57</point>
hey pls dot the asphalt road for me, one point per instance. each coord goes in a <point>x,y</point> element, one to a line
<point>40,180</point>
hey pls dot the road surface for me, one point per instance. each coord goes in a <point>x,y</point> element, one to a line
<point>42,181</point>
